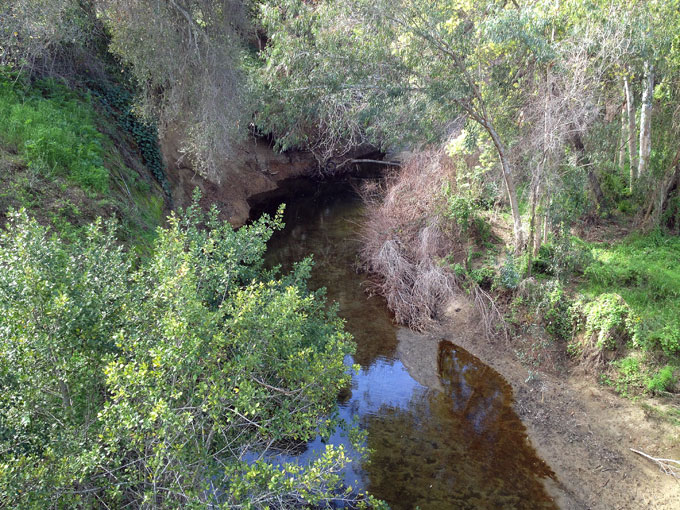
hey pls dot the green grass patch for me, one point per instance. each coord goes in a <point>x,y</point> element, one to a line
<point>645,272</point>
<point>61,158</point>
<point>54,131</point>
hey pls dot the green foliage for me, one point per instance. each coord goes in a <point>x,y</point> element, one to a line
<point>483,276</point>
<point>117,378</point>
<point>558,316</point>
<point>644,271</point>
<point>510,275</point>
<point>461,207</point>
<point>629,374</point>
<point>610,322</point>
<point>562,257</point>
<point>118,102</point>
<point>662,381</point>
<point>50,127</point>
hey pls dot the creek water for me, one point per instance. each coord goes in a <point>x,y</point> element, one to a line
<point>440,424</point>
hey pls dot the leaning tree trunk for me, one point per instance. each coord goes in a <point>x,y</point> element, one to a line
<point>509,185</point>
<point>646,120</point>
<point>632,149</point>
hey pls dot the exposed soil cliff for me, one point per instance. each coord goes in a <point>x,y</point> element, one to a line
<point>255,168</point>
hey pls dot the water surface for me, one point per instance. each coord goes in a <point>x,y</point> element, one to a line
<point>442,432</point>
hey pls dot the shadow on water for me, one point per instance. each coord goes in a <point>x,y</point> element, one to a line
<point>442,432</point>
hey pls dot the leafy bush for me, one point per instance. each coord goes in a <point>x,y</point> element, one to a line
<point>558,317</point>
<point>483,276</point>
<point>53,130</point>
<point>117,378</point>
<point>663,380</point>
<point>461,207</point>
<point>564,256</point>
<point>510,274</point>
<point>607,324</point>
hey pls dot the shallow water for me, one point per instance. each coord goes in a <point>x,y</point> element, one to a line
<point>442,432</point>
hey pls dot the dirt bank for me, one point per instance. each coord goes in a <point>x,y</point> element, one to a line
<point>582,430</point>
<point>255,169</point>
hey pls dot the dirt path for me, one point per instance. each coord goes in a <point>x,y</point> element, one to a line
<point>582,430</point>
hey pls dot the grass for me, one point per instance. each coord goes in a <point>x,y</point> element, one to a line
<point>644,271</point>
<point>61,158</point>
<point>54,131</point>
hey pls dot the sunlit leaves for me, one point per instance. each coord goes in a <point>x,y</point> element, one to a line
<point>118,381</point>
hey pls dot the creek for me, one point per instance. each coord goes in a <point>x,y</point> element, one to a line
<point>440,424</point>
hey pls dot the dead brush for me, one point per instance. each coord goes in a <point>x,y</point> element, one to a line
<point>406,234</point>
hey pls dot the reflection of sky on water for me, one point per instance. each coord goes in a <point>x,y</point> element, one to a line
<point>386,383</point>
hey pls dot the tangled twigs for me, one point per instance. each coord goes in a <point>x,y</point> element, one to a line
<point>668,466</point>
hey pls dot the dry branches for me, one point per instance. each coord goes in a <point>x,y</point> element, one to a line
<point>668,466</point>
<point>406,237</point>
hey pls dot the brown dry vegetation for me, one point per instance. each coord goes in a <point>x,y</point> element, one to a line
<point>406,236</point>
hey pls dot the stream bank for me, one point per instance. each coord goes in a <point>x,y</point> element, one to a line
<point>440,424</point>
<point>409,387</point>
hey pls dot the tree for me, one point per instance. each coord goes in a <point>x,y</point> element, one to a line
<point>400,71</point>
<point>186,57</point>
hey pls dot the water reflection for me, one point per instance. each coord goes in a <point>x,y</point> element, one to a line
<point>459,448</point>
<point>440,423</point>
<point>323,221</point>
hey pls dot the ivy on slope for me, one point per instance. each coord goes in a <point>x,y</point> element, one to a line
<point>118,103</point>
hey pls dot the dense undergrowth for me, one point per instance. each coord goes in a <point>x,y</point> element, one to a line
<point>64,160</point>
<point>143,383</point>
<point>608,308</point>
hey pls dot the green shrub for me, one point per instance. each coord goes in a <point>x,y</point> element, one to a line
<point>510,274</point>
<point>118,377</point>
<point>558,318</point>
<point>644,271</point>
<point>663,380</point>
<point>611,322</point>
<point>460,207</point>
<point>483,276</point>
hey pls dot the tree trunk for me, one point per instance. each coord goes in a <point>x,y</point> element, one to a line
<point>659,198</point>
<point>509,186</point>
<point>533,234</point>
<point>623,141</point>
<point>632,149</point>
<point>593,181</point>
<point>646,120</point>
